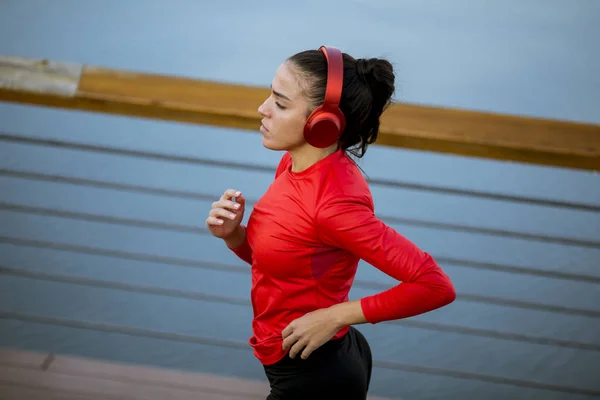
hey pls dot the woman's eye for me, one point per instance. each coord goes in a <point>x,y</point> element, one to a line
<point>280,106</point>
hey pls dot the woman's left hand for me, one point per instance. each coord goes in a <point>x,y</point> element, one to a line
<point>310,332</point>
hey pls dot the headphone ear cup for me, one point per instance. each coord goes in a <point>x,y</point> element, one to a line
<point>323,127</point>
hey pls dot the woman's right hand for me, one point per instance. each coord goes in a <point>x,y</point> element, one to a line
<point>226,215</point>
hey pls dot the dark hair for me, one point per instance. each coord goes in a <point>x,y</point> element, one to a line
<point>366,93</point>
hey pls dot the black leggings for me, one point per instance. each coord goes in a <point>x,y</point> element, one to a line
<point>339,369</point>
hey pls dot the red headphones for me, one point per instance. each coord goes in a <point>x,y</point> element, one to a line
<point>327,122</point>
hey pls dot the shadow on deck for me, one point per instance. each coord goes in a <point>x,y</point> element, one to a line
<point>28,376</point>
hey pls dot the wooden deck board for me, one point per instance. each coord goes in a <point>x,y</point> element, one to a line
<point>20,392</point>
<point>21,358</point>
<point>107,388</point>
<point>29,375</point>
<point>159,377</point>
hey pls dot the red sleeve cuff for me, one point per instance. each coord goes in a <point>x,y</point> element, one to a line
<point>370,310</point>
<point>244,251</point>
<point>432,290</point>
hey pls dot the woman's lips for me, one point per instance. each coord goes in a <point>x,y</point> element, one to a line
<point>263,128</point>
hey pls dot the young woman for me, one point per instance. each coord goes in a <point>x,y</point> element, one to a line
<point>308,232</point>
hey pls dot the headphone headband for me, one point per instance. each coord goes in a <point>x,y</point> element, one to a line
<point>335,75</point>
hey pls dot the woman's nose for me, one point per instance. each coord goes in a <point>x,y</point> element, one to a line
<point>262,109</point>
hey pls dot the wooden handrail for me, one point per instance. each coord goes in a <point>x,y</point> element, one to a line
<point>462,132</point>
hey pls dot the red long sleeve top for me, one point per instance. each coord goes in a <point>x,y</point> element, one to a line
<point>304,240</point>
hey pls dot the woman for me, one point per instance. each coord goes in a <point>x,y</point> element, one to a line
<point>308,232</point>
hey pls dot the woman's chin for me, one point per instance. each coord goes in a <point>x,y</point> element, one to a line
<point>271,144</point>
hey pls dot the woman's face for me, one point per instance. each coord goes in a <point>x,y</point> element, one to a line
<point>284,112</point>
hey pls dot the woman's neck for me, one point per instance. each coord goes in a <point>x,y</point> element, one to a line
<point>306,155</point>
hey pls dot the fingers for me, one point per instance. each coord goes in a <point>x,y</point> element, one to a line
<point>225,207</point>
<point>231,199</point>
<point>308,351</point>
<point>213,221</point>
<point>295,342</point>
<point>287,331</point>
<point>221,212</point>
<point>231,193</point>
<point>296,348</point>
<point>288,341</point>
<point>226,204</point>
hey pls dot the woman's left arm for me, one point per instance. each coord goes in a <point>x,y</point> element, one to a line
<point>351,224</point>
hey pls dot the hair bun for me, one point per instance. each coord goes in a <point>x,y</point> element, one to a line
<point>364,68</point>
<point>378,74</point>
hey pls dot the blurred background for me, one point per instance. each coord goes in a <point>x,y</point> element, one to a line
<point>102,252</point>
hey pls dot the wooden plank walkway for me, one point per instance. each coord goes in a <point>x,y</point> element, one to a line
<point>28,375</point>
